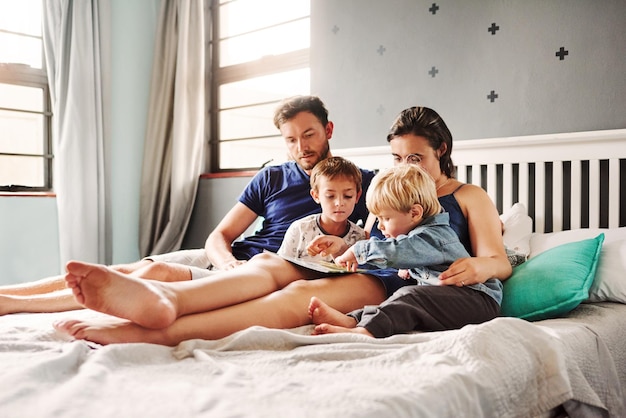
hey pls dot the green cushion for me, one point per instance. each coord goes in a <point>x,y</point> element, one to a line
<point>552,283</point>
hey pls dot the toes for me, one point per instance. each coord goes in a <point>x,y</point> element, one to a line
<point>78,268</point>
<point>68,326</point>
<point>321,329</point>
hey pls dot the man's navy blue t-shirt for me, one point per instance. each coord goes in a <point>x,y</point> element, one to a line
<point>281,194</point>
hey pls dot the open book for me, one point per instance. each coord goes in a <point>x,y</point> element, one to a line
<point>320,265</point>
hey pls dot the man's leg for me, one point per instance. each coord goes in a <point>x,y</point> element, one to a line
<point>38,287</point>
<point>56,283</point>
<point>56,301</point>
<point>51,294</point>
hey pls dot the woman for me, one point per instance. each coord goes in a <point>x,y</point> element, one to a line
<point>170,313</point>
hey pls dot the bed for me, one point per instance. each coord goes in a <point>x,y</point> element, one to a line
<point>559,351</point>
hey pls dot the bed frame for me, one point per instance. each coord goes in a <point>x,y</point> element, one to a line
<point>566,181</point>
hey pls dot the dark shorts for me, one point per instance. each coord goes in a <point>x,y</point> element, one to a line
<point>427,308</point>
<point>390,279</point>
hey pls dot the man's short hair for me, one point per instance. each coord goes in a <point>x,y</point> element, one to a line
<point>291,106</point>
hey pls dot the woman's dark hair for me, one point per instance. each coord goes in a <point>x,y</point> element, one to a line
<point>290,107</point>
<point>425,122</point>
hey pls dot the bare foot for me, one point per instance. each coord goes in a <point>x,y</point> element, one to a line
<point>108,331</point>
<point>105,290</point>
<point>334,329</point>
<point>320,312</point>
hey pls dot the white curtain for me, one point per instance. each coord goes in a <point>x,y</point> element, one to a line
<point>77,61</point>
<point>174,145</point>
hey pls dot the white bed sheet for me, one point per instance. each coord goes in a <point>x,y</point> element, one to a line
<point>504,368</point>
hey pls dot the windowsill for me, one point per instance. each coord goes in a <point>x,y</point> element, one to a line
<point>28,194</point>
<point>228,174</point>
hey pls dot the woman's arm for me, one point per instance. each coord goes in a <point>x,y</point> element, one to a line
<point>485,231</point>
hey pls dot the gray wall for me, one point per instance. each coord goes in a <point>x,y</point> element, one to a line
<point>371,59</point>
<point>215,197</point>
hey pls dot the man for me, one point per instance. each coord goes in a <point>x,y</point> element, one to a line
<point>280,194</point>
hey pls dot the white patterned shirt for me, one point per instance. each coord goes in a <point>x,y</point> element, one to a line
<point>301,232</point>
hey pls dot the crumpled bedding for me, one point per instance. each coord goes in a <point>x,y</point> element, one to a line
<point>503,368</point>
<point>593,340</point>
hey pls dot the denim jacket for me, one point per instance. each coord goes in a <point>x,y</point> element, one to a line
<point>426,251</point>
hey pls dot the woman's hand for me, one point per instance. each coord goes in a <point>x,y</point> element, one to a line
<point>467,271</point>
<point>326,245</point>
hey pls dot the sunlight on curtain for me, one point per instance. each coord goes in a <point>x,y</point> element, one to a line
<point>174,147</point>
<point>77,61</point>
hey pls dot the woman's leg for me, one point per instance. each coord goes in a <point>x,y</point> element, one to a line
<point>286,308</point>
<point>157,304</point>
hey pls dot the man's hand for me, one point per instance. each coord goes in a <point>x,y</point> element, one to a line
<point>232,264</point>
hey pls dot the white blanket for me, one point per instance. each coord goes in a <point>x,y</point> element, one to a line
<point>504,368</point>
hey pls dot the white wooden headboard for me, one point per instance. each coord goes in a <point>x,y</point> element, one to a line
<point>567,181</point>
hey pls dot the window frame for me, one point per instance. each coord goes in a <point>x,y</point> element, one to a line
<point>216,76</point>
<point>27,76</point>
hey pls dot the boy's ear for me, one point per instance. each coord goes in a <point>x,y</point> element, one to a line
<point>417,211</point>
<point>358,195</point>
<point>315,196</point>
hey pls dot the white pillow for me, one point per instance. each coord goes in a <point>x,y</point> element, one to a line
<point>518,228</point>
<point>610,280</point>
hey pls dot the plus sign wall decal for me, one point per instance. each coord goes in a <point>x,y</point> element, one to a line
<point>492,96</point>
<point>381,50</point>
<point>561,53</point>
<point>433,9</point>
<point>335,29</point>
<point>433,72</point>
<point>493,28</point>
<point>380,110</point>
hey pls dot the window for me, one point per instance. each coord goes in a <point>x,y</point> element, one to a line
<point>25,148</point>
<point>259,55</point>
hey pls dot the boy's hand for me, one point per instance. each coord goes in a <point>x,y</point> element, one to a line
<point>326,245</point>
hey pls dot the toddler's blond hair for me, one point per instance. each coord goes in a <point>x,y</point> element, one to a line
<point>400,187</point>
